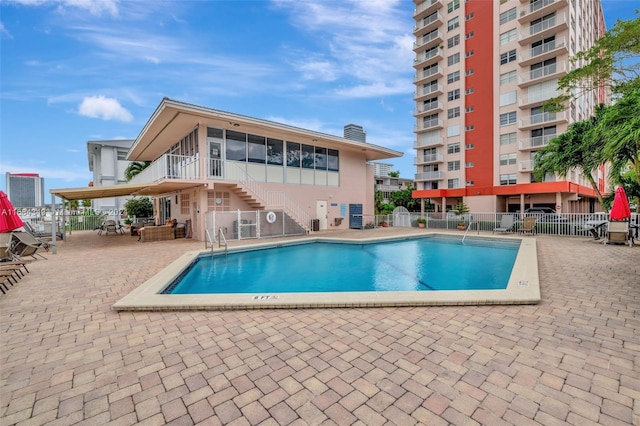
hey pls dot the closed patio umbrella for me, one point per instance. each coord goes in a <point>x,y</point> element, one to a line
<point>9,219</point>
<point>620,209</point>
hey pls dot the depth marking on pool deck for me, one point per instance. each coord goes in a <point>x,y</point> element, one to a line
<point>523,287</point>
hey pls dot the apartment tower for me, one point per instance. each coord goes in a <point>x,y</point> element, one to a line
<point>484,69</point>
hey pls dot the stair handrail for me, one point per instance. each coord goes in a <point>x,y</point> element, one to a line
<point>222,238</point>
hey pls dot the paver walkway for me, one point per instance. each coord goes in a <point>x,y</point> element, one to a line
<point>67,358</point>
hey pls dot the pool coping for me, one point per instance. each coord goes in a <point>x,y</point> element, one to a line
<point>523,286</point>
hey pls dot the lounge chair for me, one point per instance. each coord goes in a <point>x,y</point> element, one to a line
<point>529,226</point>
<point>619,232</point>
<point>24,244</point>
<point>506,224</point>
<point>40,234</point>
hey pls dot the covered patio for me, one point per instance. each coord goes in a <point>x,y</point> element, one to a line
<point>67,357</point>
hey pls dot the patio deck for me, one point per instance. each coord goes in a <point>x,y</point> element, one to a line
<point>68,358</point>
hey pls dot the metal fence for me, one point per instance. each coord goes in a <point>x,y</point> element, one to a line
<point>561,224</point>
<point>241,225</point>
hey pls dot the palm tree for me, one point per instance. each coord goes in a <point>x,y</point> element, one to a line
<point>579,147</point>
<point>135,168</point>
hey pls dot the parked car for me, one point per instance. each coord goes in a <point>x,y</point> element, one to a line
<point>545,214</point>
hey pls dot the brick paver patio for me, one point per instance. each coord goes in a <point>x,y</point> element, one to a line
<point>67,358</point>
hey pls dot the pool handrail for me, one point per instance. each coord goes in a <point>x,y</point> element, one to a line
<point>222,238</point>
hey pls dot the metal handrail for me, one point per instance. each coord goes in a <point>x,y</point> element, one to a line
<point>467,231</point>
<point>209,239</point>
<point>222,238</point>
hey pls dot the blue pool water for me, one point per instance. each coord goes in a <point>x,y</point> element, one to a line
<point>424,264</point>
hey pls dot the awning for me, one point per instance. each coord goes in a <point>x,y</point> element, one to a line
<point>127,189</point>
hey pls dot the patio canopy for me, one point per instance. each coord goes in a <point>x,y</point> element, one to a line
<point>142,189</point>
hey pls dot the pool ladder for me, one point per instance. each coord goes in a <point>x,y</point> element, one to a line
<point>468,228</point>
<point>222,238</point>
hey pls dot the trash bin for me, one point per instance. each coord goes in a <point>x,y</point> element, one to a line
<point>315,224</point>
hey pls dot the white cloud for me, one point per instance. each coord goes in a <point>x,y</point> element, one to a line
<point>94,7</point>
<point>104,108</point>
<point>67,173</point>
<point>4,32</point>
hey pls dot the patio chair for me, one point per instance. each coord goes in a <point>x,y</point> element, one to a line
<point>529,226</point>
<point>111,226</point>
<point>5,243</point>
<point>24,244</point>
<point>506,224</point>
<point>619,232</point>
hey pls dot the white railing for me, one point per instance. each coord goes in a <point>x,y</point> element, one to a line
<point>423,6</point>
<point>428,124</point>
<point>542,118</point>
<point>557,68</point>
<point>427,158</point>
<point>428,176</point>
<point>428,107</point>
<point>427,21</point>
<point>297,212</point>
<point>544,25</point>
<point>170,166</point>
<point>428,73</point>
<point>537,96</point>
<point>535,142</point>
<point>543,48</point>
<point>534,7</point>
<point>429,54</point>
<point>429,37</point>
<point>526,166</point>
<point>425,143</point>
<point>428,90</point>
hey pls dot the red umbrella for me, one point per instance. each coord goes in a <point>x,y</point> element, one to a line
<point>620,209</point>
<point>9,219</point>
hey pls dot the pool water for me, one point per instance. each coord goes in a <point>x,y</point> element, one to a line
<point>425,264</point>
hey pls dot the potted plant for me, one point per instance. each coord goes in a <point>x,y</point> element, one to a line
<point>422,222</point>
<point>460,210</point>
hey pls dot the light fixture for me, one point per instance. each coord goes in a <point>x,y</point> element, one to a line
<point>236,125</point>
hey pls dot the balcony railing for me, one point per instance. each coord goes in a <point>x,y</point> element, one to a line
<point>431,89</point>
<point>537,97</point>
<point>526,166</point>
<point>540,50</point>
<point>428,73</point>
<point>428,124</point>
<point>429,176</point>
<point>428,158</point>
<point>430,37</point>
<point>431,106</point>
<point>535,142</point>
<point>557,69</point>
<point>428,22</point>
<point>542,119</point>
<point>537,29</point>
<point>428,55</point>
<point>429,142</point>
<point>426,5</point>
<point>170,166</point>
<point>539,8</point>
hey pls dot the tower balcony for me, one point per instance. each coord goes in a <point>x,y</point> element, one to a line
<point>429,108</point>
<point>426,8</point>
<point>427,24</point>
<point>428,57</point>
<point>535,142</point>
<point>432,38</point>
<point>428,143</point>
<point>428,176</point>
<point>543,29</point>
<point>542,120</point>
<point>428,158</point>
<point>526,166</point>
<point>433,124</point>
<point>540,8</point>
<point>428,91</point>
<point>543,74</point>
<point>543,52</point>
<point>433,72</point>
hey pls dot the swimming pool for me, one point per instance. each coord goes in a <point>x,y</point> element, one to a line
<point>425,264</point>
<point>522,287</point>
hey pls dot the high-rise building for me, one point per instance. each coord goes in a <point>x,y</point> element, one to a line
<point>25,189</point>
<point>355,133</point>
<point>484,69</point>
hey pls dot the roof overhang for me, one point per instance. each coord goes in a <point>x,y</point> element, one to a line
<point>173,120</point>
<point>128,189</point>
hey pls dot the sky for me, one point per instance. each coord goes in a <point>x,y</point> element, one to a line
<point>78,70</point>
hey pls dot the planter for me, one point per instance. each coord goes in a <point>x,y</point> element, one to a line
<point>421,225</point>
<point>461,227</point>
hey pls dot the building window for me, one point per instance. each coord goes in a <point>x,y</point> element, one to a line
<point>469,109</point>
<point>468,164</point>
<point>122,155</point>
<point>470,183</point>
<point>469,72</point>
<point>469,127</point>
<point>507,16</point>
<point>469,146</point>
<point>274,151</point>
<point>184,203</point>
<point>508,98</point>
<point>508,77</point>
<point>453,77</point>
<point>508,138</point>
<point>507,118</point>
<point>508,159</point>
<point>307,156</point>
<point>469,91</point>
<point>509,179</point>
<point>453,59</point>
<point>453,148</point>
<point>453,183</point>
<point>468,16</point>
<point>468,35</point>
<point>257,152</point>
<point>453,95</point>
<point>453,5</point>
<point>453,165</point>
<point>333,162</point>
<point>468,53</point>
<point>453,41</point>
<point>453,112</point>
<point>508,37</point>
<point>453,130</point>
<point>507,57</point>
<point>454,23</point>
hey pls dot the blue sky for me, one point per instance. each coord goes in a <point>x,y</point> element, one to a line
<point>79,70</point>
